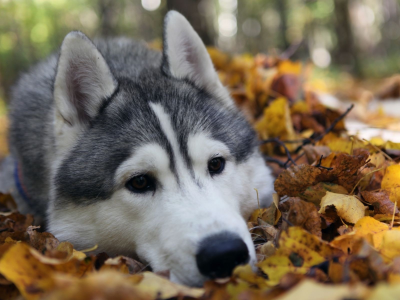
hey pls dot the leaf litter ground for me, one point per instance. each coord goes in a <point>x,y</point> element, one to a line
<point>332,231</point>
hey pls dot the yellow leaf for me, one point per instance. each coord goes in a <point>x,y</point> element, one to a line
<point>391,182</point>
<point>33,273</point>
<point>30,276</point>
<point>368,225</point>
<point>246,274</point>
<point>384,291</point>
<point>379,235</point>
<point>392,177</point>
<point>159,287</point>
<point>219,58</point>
<point>299,107</point>
<point>377,141</point>
<point>277,266</point>
<point>392,146</point>
<point>298,251</point>
<point>349,208</point>
<point>311,290</point>
<point>390,247</point>
<point>289,67</point>
<point>344,145</point>
<point>378,159</point>
<point>276,122</point>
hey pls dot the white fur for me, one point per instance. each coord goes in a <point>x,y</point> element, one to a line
<point>166,227</point>
<point>163,228</point>
<point>188,57</point>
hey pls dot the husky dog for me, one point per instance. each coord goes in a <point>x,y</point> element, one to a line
<point>139,152</point>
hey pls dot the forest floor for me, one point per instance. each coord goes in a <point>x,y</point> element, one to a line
<point>332,232</point>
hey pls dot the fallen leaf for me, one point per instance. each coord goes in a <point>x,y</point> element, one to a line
<point>349,208</point>
<point>384,291</point>
<point>41,241</point>
<point>314,153</point>
<point>391,182</point>
<point>315,193</point>
<point>33,273</point>
<point>381,202</point>
<point>296,180</point>
<point>298,251</point>
<point>311,290</point>
<point>302,214</point>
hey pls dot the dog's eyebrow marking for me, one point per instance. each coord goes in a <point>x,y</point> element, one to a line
<point>169,132</point>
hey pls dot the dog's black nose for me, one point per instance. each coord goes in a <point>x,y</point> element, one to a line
<point>219,254</point>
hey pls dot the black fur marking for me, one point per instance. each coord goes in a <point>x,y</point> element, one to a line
<point>125,121</point>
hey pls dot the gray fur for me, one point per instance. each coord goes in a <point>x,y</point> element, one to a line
<point>124,121</point>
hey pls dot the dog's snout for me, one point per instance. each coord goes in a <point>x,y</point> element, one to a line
<point>219,254</point>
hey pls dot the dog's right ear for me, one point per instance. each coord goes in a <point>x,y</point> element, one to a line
<point>83,81</point>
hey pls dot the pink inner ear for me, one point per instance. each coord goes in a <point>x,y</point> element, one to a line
<point>82,79</point>
<point>190,54</point>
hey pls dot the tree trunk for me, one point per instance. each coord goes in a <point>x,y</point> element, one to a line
<point>346,53</point>
<point>106,10</point>
<point>190,9</point>
<point>282,9</point>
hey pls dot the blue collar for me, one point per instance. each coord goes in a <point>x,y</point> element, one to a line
<point>20,187</point>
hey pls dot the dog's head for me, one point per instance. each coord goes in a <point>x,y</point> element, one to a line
<point>152,158</point>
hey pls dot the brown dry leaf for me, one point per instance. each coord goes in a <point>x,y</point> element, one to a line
<point>344,229</point>
<point>8,202</point>
<point>315,193</point>
<point>14,225</point>
<point>330,216</point>
<point>267,249</point>
<point>302,214</point>
<point>367,263</point>
<point>314,153</point>
<point>123,264</point>
<point>381,202</point>
<point>9,292</point>
<point>269,231</point>
<point>286,83</point>
<point>296,180</point>
<point>41,241</point>
<point>349,208</point>
<point>345,168</point>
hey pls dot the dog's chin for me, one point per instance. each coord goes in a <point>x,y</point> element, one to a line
<point>193,281</point>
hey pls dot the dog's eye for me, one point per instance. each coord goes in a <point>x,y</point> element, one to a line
<point>140,184</point>
<point>216,165</point>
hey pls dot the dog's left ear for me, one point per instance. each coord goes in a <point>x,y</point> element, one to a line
<point>186,57</point>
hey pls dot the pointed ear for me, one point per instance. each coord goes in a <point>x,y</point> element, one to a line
<point>83,80</point>
<point>186,57</point>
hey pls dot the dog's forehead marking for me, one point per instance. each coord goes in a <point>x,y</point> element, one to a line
<point>169,132</point>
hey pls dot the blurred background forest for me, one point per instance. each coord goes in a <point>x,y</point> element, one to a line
<point>357,37</point>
